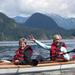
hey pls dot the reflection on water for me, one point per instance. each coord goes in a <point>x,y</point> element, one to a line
<point>7,52</point>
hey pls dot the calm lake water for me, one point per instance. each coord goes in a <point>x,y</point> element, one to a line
<point>8,48</point>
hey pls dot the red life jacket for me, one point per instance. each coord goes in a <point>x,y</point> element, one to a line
<point>21,54</point>
<point>73,57</point>
<point>55,51</point>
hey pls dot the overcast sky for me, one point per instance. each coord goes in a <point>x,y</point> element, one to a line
<point>14,8</point>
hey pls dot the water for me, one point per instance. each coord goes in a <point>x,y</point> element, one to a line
<point>8,49</point>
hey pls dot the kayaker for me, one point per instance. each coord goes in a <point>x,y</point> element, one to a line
<point>24,53</point>
<point>57,48</point>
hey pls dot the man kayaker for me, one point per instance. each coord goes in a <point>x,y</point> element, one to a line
<point>24,53</point>
<point>57,49</point>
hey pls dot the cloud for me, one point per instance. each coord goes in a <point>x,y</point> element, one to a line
<point>28,7</point>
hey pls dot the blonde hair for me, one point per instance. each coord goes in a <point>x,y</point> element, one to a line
<point>57,35</point>
<point>23,40</point>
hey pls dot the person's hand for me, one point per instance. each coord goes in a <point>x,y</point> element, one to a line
<point>16,62</point>
<point>32,37</point>
<point>61,53</point>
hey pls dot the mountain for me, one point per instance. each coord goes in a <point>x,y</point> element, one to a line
<point>7,28</point>
<point>44,22</point>
<point>20,19</point>
<point>39,20</point>
<point>10,30</point>
<point>66,23</point>
<point>40,25</point>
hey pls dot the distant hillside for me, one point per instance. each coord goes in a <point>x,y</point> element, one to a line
<point>40,20</point>
<point>7,26</point>
<point>44,22</point>
<point>10,30</point>
<point>20,19</point>
<point>66,23</point>
<point>40,25</point>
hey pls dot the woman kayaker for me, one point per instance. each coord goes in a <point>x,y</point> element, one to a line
<point>57,49</point>
<point>24,53</point>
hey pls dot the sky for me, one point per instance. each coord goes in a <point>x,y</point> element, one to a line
<point>14,8</point>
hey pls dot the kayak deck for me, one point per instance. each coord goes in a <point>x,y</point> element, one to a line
<point>46,63</point>
<point>10,68</point>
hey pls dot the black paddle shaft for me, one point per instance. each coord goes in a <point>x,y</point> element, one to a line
<point>72,51</point>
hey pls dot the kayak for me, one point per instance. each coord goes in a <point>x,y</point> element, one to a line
<point>10,68</point>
